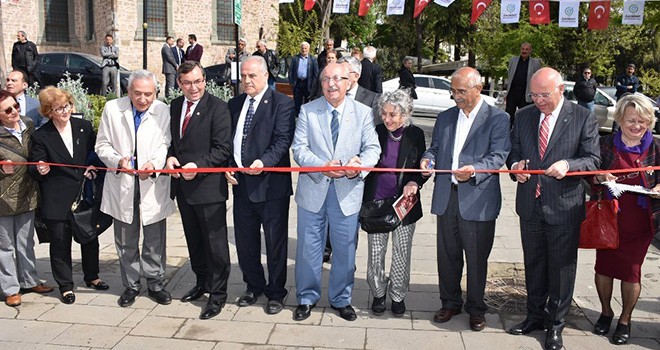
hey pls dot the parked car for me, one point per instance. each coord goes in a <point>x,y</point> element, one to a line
<point>53,66</point>
<point>432,94</point>
<point>217,73</point>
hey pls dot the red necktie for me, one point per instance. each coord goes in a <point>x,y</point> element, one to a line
<point>186,120</point>
<point>543,144</point>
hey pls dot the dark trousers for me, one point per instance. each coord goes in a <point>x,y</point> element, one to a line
<point>300,94</point>
<point>60,255</point>
<point>515,99</point>
<point>248,219</point>
<point>550,253</point>
<point>455,236</point>
<point>205,228</point>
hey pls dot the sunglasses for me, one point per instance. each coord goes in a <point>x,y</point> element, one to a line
<point>10,109</point>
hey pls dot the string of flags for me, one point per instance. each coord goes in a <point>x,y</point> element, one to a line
<point>539,10</point>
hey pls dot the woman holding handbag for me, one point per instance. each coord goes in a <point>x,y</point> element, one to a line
<point>18,201</point>
<point>632,146</point>
<point>70,141</point>
<point>402,145</point>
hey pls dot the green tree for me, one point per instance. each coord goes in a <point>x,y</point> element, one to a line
<point>297,25</point>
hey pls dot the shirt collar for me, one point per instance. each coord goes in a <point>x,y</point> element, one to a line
<point>339,108</point>
<point>353,91</point>
<point>555,112</point>
<point>474,111</point>
<point>21,127</point>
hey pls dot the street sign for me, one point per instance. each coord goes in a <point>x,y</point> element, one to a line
<point>237,12</point>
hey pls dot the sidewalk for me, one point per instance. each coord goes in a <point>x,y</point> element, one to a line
<point>96,321</point>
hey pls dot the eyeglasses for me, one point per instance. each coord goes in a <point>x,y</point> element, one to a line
<point>544,95</point>
<point>336,79</point>
<point>460,92</point>
<point>632,122</point>
<point>63,109</point>
<point>197,83</point>
<point>10,109</point>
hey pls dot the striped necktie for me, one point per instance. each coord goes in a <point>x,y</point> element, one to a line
<point>543,144</point>
<point>334,127</point>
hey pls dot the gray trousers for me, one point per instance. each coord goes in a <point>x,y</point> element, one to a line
<point>17,259</point>
<point>399,278</point>
<point>109,79</point>
<point>170,83</point>
<point>152,261</point>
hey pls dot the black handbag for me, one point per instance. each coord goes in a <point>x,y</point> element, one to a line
<point>87,220</point>
<point>378,216</point>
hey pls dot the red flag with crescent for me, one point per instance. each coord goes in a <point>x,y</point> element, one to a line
<point>539,11</point>
<point>309,4</point>
<point>365,5</point>
<point>599,15</point>
<point>478,7</point>
<point>419,7</point>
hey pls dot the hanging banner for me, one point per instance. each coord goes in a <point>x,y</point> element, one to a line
<point>539,11</point>
<point>444,3</point>
<point>286,1</point>
<point>395,7</point>
<point>599,15</point>
<point>478,8</point>
<point>633,12</point>
<point>365,5</point>
<point>568,14</point>
<point>419,7</point>
<point>309,4</point>
<point>340,6</point>
<point>510,11</point>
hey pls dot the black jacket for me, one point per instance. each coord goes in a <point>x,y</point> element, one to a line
<point>585,90</point>
<point>272,62</point>
<point>407,81</point>
<point>24,56</point>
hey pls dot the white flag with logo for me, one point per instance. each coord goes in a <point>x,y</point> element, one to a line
<point>568,13</point>
<point>633,12</point>
<point>395,7</point>
<point>444,3</point>
<point>286,1</point>
<point>510,11</point>
<point>340,6</point>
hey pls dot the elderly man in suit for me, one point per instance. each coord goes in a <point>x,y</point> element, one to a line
<point>169,64</point>
<point>553,135</point>
<point>471,136</point>
<point>109,66</point>
<point>357,92</point>
<point>134,134</point>
<point>303,72</point>
<point>263,122</point>
<point>272,62</point>
<point>331,131</point>
<point>16,84</point>
<point>201,138</point>
<point>372,74</point>
<point>521,69</point>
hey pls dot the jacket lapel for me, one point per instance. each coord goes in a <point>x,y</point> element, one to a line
<point>346,124</point>
<point>79,151</point>
<point>127,114</point>
<point>260,112</point>
<point>479,120</point>
<point>564,118</point>
<point>58,144</point>
<point>200,110</point>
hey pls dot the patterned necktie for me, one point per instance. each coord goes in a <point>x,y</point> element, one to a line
<point>248,123</point>
<point>186,120</point>
<point>334,127</point>
<point>543,144</point>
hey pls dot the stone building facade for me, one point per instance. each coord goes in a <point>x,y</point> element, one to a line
<point>81,25</point>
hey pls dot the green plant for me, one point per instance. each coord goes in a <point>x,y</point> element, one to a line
<point>81,100</point>
<point>222,92</point>
<point>174,93</point>
<point>33,91</point>
<point>97,103</point>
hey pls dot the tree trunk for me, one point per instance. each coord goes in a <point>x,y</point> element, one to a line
<point>326,11</point>
<point>472,59</point>
<point>436,48</point>
<point>418,26</point>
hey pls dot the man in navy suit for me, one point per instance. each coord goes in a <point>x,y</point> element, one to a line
<point>263,122</point>
<point>16,84</point>
<point>303,72</point>
<point>556,136</point>
<point>471,136</point>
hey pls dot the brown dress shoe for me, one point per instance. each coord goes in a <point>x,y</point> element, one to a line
<point>443,315</point>
<point>13,300</point>
<point>477,322</point>
<point>39,288</point>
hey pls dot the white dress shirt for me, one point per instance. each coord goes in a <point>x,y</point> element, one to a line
<point>463,126</point>
<point>238,136</point>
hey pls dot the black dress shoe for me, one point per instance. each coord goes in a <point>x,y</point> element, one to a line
<point>212,309</point>
<point>248,298</point>
<point>346,312</point>
<point>100,285</point>
<point>69,298</point>
<point>162,297</point>
<point>398,308</point>
<point>378,306</point>
<point>193,294</point>
<point>303,311</point>
<point>274,306</point>
<point>128,297</point>
<point>603,324</point>
<point>553,340</point>
<point>621,334</point>
<point>525,327</point>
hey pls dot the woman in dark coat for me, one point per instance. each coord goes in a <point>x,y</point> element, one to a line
<point>406,77</point>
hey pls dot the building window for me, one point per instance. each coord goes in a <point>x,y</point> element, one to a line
<point>157,18</point>
<point>90,20</point>
<point>56,20</point>
<point>226,30</point>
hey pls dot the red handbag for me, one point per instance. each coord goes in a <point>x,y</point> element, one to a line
<point>599,230</point>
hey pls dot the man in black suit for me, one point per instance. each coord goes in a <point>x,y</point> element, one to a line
<point>303,72</point>
<point>372,73</point>
<point>357,92</point>
<point>556,136</point>
<point>263,122</point>
<point>201,137</point>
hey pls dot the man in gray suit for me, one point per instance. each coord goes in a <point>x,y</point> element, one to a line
<point>521,69</point>
<point>471,136</point>
<point>556,136</point>
<point>169,64</point>
<point>109,66</point>
<point>331,131</point>
<point>16,84</point>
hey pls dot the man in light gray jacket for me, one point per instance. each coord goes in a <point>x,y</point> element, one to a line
<point>109,66</point>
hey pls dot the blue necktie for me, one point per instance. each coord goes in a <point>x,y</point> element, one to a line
<point>137,118</point>
<point>334,126</point>
<point>248,123</point>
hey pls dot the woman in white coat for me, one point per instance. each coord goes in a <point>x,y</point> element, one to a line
<point>134,134</point>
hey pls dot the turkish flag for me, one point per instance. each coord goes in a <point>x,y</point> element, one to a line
<point>419,7</point>
<point>539,11</point>
<point>478,7</point>
<point>599,15</point>
<point>309,4</point>
<point>365,5</point>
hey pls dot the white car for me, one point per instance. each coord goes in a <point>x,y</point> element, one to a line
<point>432,94</point>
